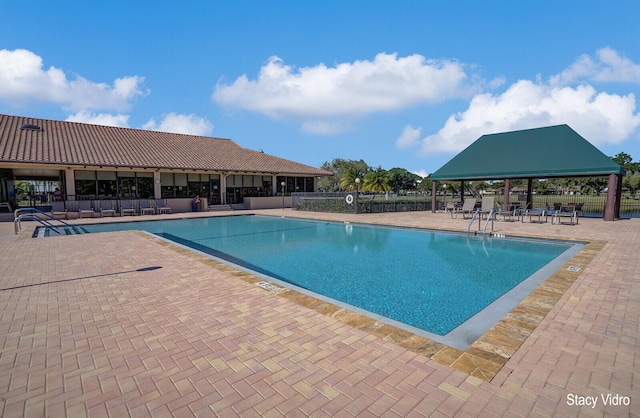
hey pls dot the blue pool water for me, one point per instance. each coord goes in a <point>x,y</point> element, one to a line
<point>433,281</point>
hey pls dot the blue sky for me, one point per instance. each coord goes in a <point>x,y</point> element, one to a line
<point>398,84</point>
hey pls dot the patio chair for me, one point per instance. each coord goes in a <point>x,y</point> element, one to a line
<point>58,210</point>
<point>107,208</point>
<point>467,208</point>
<point>85,208</point>
<point>126,208</point>
<point>512,213</point>
<point>6,205</point>
<point>449,207</point>
<point>565,212</point>
<point>531,212</point>
<point>145,207</point>
<point>579,208</point>
<point>488,205</point>
<point>162,207</point>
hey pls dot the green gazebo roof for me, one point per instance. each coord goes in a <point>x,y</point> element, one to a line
<point>553,151</point>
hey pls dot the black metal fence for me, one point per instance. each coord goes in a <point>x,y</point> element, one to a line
<point>342,202</point>
<point>592,205</point>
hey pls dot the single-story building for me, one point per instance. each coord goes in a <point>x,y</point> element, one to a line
<point>94,162</point>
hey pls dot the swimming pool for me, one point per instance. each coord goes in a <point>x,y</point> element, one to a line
<point>438,284</point>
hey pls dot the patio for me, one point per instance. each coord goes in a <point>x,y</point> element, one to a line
<point>132,326</point>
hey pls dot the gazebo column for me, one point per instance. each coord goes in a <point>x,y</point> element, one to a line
<point>434,190</point>
<point>462,190</point>
<point>618,196</point>
<point>612,191</point>
<point>529,191</point>
<point>507,191</point>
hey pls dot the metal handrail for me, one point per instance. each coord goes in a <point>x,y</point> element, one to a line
<point>32,214</point>
<point>489,218</point>
<point>473,218</point>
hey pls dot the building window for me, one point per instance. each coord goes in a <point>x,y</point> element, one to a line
<point>166,185</point>
<point>174,185</point>
<point>127,185</point>
<point>111,184</point>
<point>85,183</point>
<point>145,185</point>
<point>107,183</point>
<point>198,185</point>
<point>207,186</point>
<point>295,184</point>
<point>181,185</point>
<point>241,186</point>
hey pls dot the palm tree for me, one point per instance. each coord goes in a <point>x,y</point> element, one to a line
<point>348,179</point>
<point>376,181</point>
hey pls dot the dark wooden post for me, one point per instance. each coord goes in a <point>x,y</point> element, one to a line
<point>618,196</point>
<point>609,208</point>
<point>434,189</point>
<point>507,191</point>
<point>462,190</point>
<point>529,191</point>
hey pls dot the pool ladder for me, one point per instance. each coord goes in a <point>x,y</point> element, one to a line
<point>33,214</point>
<point>476,214</point>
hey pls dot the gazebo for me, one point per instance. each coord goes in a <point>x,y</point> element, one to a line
<point>541,153</point>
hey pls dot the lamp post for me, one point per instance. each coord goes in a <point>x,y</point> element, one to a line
<point>283,184</point>
<point>444,201</point>
<point>357,184</point>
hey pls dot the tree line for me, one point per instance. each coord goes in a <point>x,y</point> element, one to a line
<point>401,180</point>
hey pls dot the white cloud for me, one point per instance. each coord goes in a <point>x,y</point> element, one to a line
<point>333,96</point>
<point>171,122</point>
<point>599,117</point>
<point>181,124</point>
<point>409,137</point>
<point>609,66</point>
<point>23,79</point>
<point>106,119</point>
<point>422,172</point>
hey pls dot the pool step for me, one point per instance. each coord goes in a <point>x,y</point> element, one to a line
<point>214,208</point>
<point>43,232</point>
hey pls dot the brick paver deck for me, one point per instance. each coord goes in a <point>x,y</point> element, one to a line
<point>123,324</point>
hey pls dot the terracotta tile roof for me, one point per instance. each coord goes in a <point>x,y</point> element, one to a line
<point>72,143</point>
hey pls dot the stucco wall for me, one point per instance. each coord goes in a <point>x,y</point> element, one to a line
<point>269,202</point>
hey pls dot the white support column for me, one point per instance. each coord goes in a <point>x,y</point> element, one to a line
<point>223,188</point>
<point>70,182</point>
<point>157,186</point>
